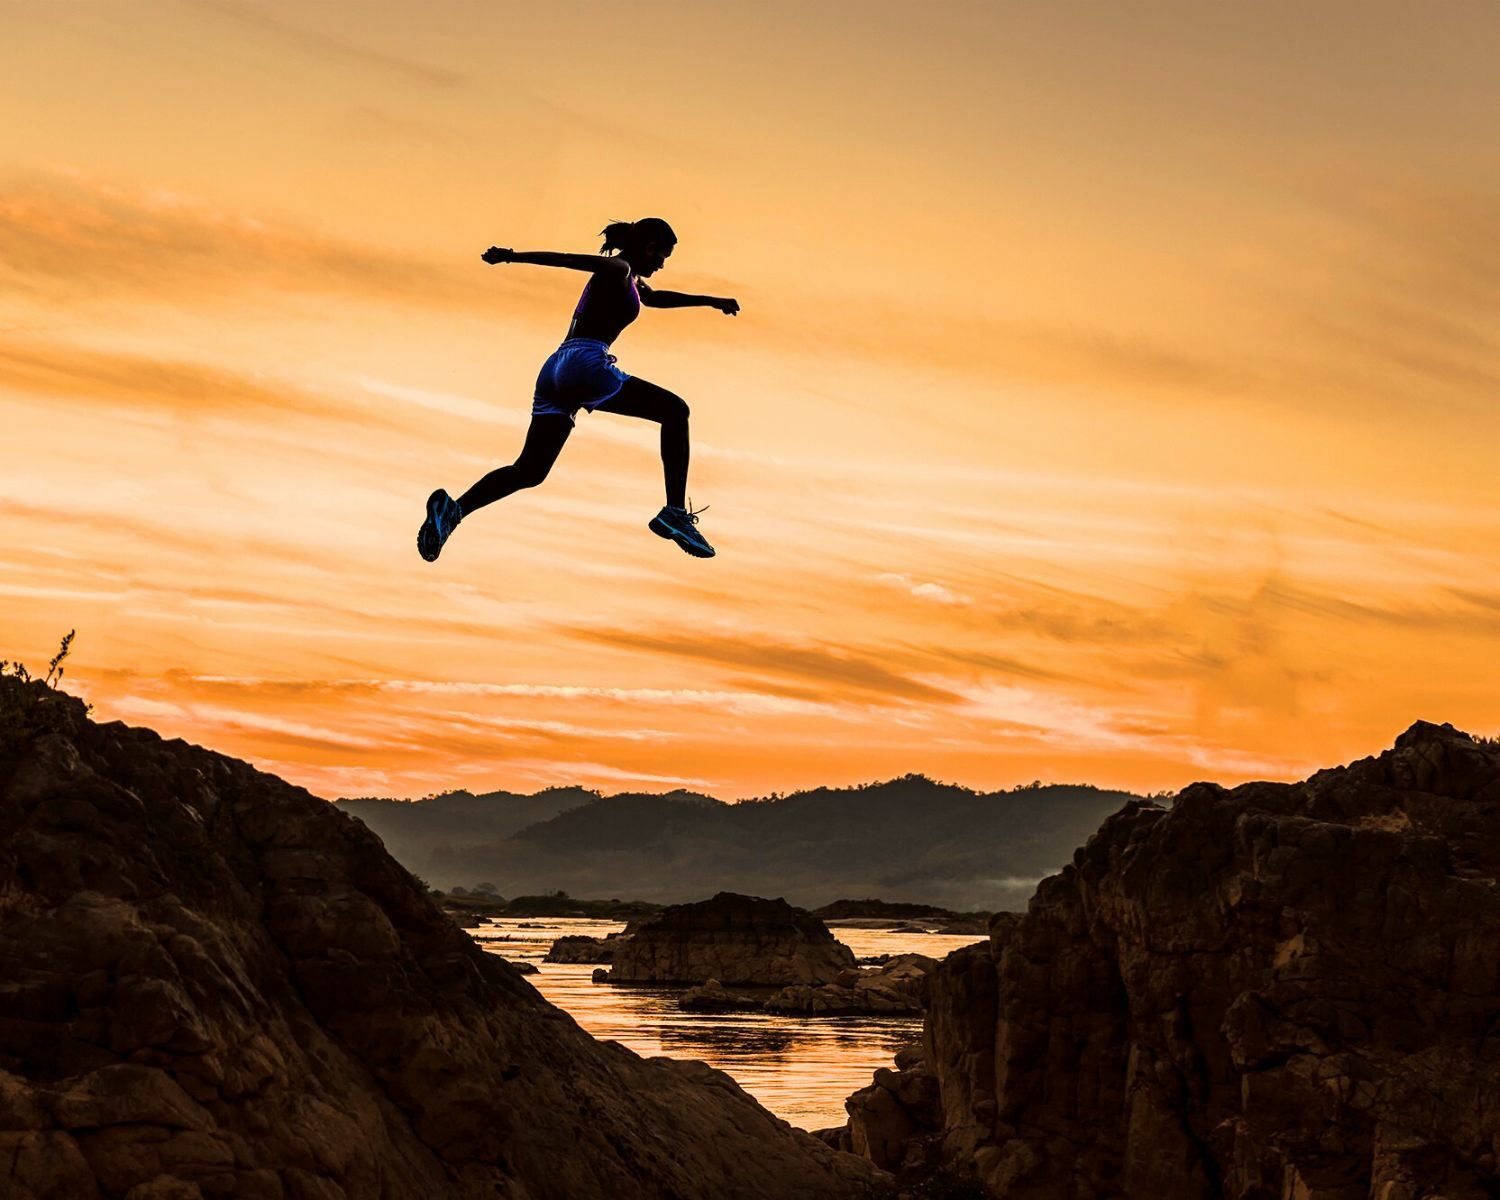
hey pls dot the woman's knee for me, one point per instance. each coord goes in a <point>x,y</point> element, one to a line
<point>528,474</point>
<point>677,408</point>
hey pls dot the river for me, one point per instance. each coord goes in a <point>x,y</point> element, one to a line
<point>801,1068</point>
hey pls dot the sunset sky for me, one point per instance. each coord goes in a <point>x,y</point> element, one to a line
<point>1114,398</point>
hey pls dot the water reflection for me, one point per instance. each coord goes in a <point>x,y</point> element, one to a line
<point>801,1068</point>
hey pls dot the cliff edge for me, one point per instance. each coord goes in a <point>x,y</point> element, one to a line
<point>215,984</point>
<point>1274,992</point>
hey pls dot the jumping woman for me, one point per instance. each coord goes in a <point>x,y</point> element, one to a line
<point>582,374</point>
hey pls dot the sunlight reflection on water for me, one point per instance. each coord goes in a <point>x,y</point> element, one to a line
<point>801,1068</point>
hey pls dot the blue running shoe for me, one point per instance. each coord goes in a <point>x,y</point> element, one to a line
<point>443,516</point>
<point>677,524</point>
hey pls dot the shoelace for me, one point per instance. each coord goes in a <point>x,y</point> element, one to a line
<point>692,513</point>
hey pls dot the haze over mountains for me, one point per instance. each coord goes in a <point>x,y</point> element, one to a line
<point>908,839</point>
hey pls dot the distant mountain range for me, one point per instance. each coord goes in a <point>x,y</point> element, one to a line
<point>909,839</point>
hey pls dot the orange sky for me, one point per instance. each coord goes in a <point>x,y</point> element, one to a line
<point>1113,399</point>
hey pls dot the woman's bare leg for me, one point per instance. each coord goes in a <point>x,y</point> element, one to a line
<point>545,439</point>
<point>637,398</point>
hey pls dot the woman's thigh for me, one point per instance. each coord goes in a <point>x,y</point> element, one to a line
<point>545,437</point>
<point>640,398</point>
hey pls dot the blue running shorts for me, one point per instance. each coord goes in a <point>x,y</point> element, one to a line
<point>580,374</point>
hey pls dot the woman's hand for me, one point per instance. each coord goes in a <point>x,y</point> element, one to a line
<point>728,307</point>
<point>499,254</point>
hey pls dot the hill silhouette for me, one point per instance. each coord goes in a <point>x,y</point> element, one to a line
<point>910,839</point>
<point>420,827</point>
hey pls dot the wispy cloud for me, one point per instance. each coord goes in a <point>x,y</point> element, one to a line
<point>65,237</point>
<point>807,663</point>
<point>184,390</point>
<point>1476,616</point>
<point>276,690</point>
<point>928,590</point>
<point>329,48</point>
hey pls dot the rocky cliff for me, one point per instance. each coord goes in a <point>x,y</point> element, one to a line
<point>217,985</point>
<point>1274,992</point>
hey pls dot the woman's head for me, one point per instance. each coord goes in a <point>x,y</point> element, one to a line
<point>645,244</point>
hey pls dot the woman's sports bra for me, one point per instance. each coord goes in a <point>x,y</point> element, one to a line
<point>607,305</point>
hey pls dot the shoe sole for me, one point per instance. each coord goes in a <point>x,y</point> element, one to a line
<point>428,545</point>
<point>663,530</point>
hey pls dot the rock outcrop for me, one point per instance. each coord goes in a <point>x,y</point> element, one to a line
<point>581,948</point>
<point>742,941</point>
<point>713,996</point>
<point>896,1122</point>
<point>898,987</point>
<point>216,985</point>
<point>1275,991</point>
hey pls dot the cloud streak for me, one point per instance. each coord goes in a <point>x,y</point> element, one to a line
<point>183,390</point>
<point>328,48</point>
<point>815,664</point>
<point>66,238</point>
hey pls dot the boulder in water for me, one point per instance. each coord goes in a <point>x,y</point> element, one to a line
<point>897,987</point>
<point>740,940</point>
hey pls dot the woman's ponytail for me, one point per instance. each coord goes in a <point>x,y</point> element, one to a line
<point>618,236</point>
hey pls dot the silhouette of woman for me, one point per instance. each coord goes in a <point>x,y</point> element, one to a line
<point>582,374</point>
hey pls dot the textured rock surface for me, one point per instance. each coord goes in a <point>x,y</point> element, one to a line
<point>741,941</point>
<point>581,948</point>
<point>896,1122</point>
<point>1275,992</point>
<point>216,985</point>
<point>897,987</point>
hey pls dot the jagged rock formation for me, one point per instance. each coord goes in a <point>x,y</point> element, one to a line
<point>741,941</point>
<point>1274,992</point>
<point>896,1122</point>
<point>216,985</point>
<point>898,987</point>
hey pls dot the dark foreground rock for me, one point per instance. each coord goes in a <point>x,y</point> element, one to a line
<point>739,940</point>
<point>1274,992</point>
<point>217,985</point>
<point>896,1122</point>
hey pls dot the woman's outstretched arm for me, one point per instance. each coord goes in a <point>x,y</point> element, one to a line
<point>596,264</point>
<point>653,298</point>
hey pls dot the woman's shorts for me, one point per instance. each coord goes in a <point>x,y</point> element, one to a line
<point>580,374</point>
